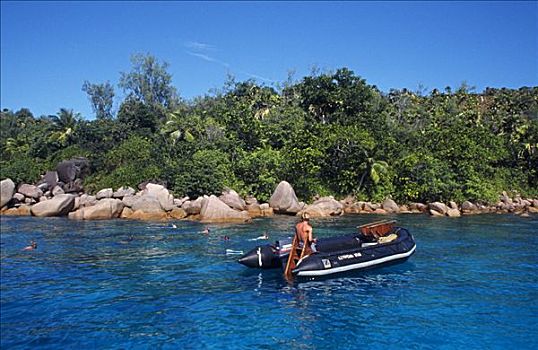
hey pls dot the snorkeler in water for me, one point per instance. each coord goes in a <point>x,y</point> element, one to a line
<point>32,246</point>
<point>128,240</point>
<point>264,236</point>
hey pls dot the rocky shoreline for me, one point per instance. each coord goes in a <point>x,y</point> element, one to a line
<point>52,197</point>
<point>60,193</point>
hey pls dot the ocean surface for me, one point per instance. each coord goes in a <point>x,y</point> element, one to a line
<point>472,284</point>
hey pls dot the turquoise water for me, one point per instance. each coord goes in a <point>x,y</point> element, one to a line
<point>473,284</point>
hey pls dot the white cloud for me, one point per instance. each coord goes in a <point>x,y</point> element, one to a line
<point>201,50</point>
<point>255,76</point>
<point>198,46</point>
<point>208,58</point>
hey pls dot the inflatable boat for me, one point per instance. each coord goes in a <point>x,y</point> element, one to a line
<point>376,244</point>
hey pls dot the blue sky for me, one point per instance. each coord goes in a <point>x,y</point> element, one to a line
<point>48,49</point>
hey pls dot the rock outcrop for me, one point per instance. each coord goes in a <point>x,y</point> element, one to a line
<point>87,200</point>
<point>505,198</point>
<point>56,190</point>
<point>418,207</point>
<point>323,207</point>
<point>453,212</point>
<point>50,197</point>
<point>354,208</point>
<point>30,191</point>
<point>284,200</point>
<point>23,210</point>
<point>437,208</point>
<point>233,200</point>
<point>72,169</point>
<point>390,206</point>
<point>266,210</point>
<point>147,204</point>
<point>126,213</point>
<point>56,206</point>
<point>49,180</point>
<point>124,192</point>
<point>193,207</point>
<point>154,202</point>
<point>468,207</point>
<point>107,208</point>
<point>177,213</point>
<point>104,193</point>
<point>18,198</point>
<point>215,210</point>
<point>7,190</point>
<point>147,216</point>
<point>166,200</point>
<point>128,201</point>
<point>257,210</point>
<point>178,202</point>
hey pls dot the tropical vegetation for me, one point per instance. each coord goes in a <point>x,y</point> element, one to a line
<point>330,133</point>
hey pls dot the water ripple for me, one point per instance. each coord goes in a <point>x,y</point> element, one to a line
<point>125,284</point>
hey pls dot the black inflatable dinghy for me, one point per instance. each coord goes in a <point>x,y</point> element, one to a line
<point>376,244</point>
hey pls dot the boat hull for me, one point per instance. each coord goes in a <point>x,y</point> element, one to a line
<point>304,271</point>
<point>367,256</point>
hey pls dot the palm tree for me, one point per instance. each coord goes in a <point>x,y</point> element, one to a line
<point>175,129</point>
<point>64,126</point>
<point>375,169</point>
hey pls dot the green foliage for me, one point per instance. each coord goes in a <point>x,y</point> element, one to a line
<point>327,134</point>
<point>422,177</point>
<point>70,152</point>
<point>140,118</point>
<point>282,126</point>
<point>261,171</point>
<point>101,97</point>
<point>208,172</point>
<point>189,127</point>
<point>13,124</point>
<point>346,156</point>
<point>243,111</point>
<point>122,168</point>
<point>302,168</point>
<point>22,169</point>
<point>64,127</point>
<point>149,82</point>
<point>100,135</point>
<point>476,189</point>
<point>126,175</point>
<point>340,97</point>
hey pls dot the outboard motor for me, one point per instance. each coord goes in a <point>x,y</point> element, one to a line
<point>263,257</point>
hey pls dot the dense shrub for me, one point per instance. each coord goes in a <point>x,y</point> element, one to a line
<point>261,171</point>
<point>208,172</point>
<point>23,169</point>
